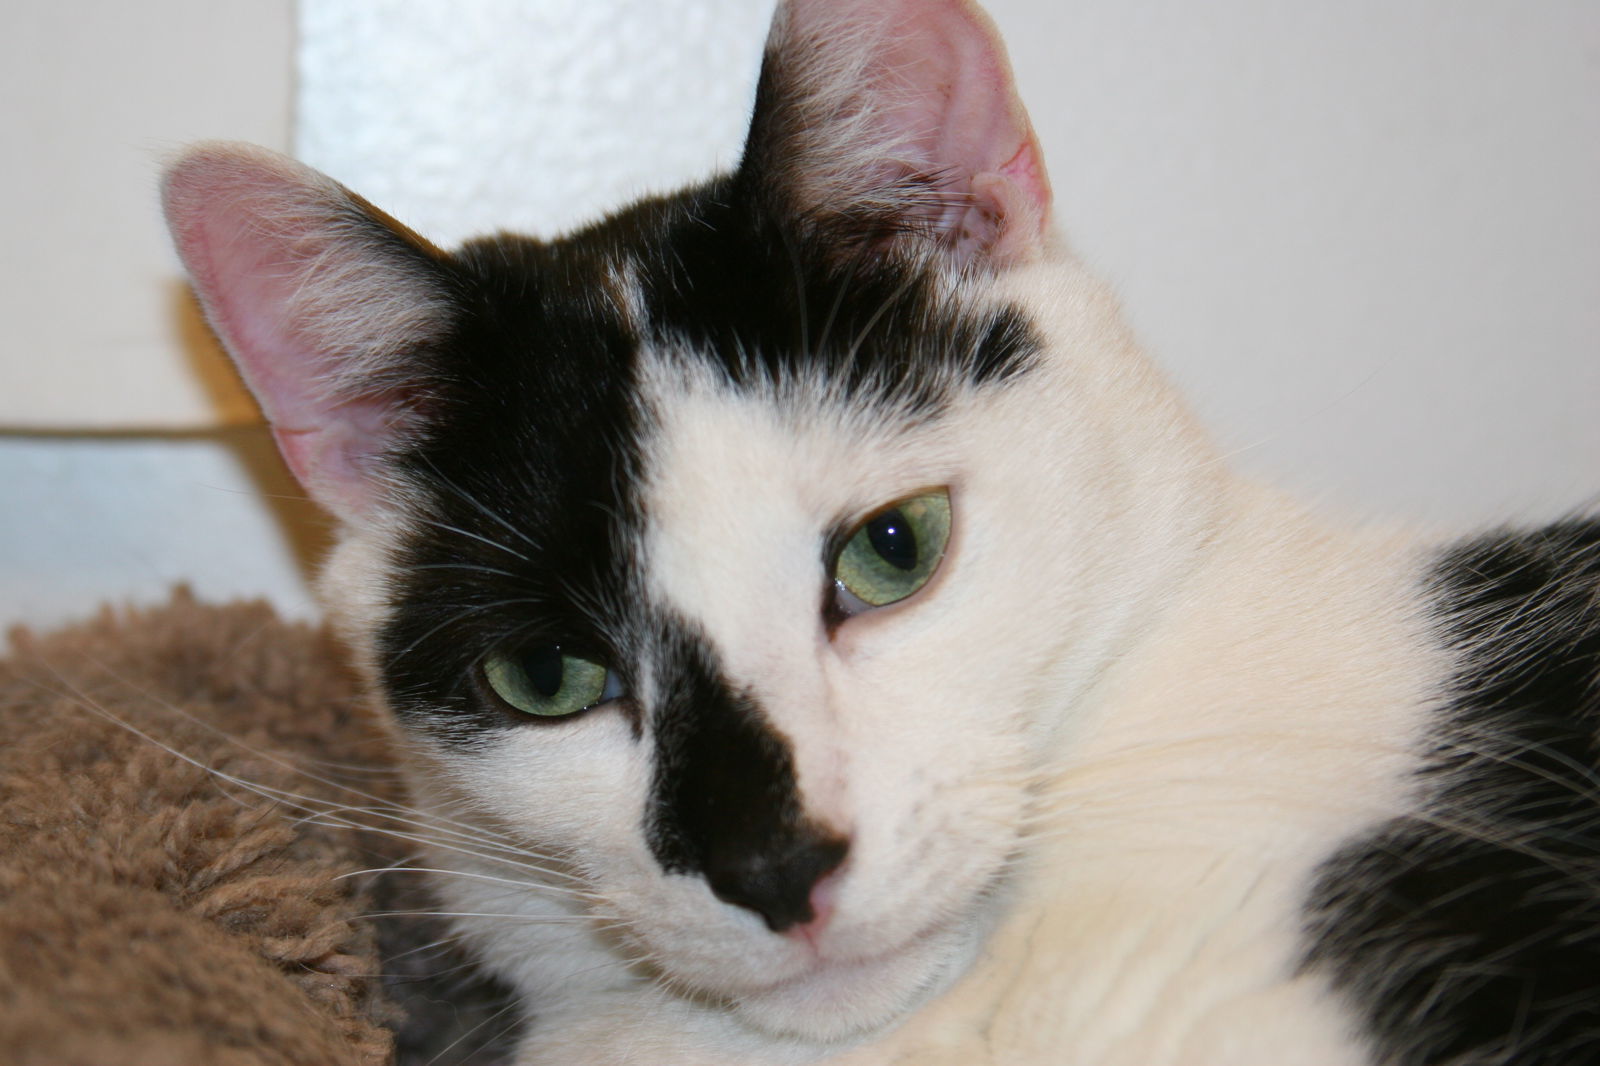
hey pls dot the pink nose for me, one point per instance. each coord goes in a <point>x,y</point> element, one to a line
<point>823,899</point>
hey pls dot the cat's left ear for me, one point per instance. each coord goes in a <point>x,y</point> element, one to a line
<point>898,120</point>
<point>327,305</point>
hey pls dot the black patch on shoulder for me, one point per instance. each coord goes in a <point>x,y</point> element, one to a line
<point>1470,933</point>
<point>725,803</point>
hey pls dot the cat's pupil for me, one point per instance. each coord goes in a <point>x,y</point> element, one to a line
<point>543,668</point>
<point>892,538</point>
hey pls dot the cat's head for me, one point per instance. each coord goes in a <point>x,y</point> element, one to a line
<point>753,549</point>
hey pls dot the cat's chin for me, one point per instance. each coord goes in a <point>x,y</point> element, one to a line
<point>838,1001</point>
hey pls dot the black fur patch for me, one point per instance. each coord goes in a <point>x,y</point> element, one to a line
<point>525,478</point>
<point>1470,933</point>
<point>766,302</point>
<point>726,805</point>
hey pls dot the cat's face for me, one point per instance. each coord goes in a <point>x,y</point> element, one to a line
<point>688,534</point>
<point>748,553</point>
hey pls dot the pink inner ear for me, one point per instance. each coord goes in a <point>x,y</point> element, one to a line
<point>334,458</point>
<point>294,278</point>
<point>942,88</point>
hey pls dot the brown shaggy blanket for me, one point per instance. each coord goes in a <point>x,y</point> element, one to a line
<point>186,796</point>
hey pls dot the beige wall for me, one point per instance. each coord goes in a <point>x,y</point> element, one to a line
<point>1364,233</point>
<point>95,93</point>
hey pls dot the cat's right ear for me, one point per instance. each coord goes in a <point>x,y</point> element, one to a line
<point>884,123</point>
<point>326,305</point>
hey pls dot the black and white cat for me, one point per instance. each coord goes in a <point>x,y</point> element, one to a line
<point>820,636</point>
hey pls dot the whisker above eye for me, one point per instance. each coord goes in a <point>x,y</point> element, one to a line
<point>480,538</point>
<point>456,618</point>
<point>473,568</point>
<point>479,506</point>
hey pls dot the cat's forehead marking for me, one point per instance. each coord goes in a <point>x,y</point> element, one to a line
<point>715,275</point>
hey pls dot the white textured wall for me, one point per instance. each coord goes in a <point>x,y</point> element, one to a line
<point>1365,234</point>
<point>527,115</point>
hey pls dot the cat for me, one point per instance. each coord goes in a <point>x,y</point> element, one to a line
<point>819,635</point>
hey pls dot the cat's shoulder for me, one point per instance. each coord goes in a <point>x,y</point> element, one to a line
<point>1470,930</point>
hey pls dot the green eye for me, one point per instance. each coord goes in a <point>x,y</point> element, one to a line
<point>545,682</point>
<point>894,552</point>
